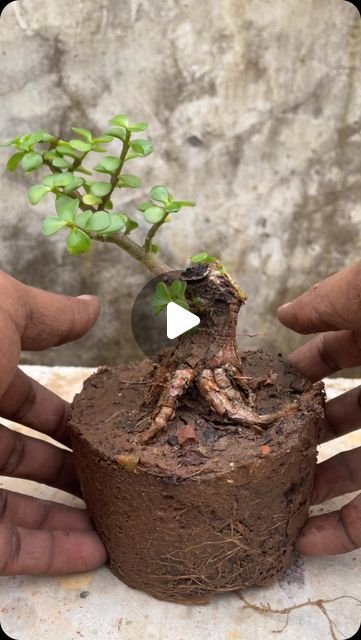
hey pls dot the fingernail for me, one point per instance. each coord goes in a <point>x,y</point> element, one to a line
<point>283,307</point>
<point>86,296</point>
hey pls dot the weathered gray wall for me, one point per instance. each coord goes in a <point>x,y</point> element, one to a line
<point>255,112</point>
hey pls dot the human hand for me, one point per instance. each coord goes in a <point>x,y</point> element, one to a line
<point>332,307</point>
<point>40,536</point>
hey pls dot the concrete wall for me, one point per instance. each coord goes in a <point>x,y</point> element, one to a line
<point>255,112</point>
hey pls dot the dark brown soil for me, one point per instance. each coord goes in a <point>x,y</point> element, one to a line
<point>205,506</point>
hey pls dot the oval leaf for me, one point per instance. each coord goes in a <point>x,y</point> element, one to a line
<point>160,193</point>
<point>153,214</point>
<point>31,161</point>
<point>138,126</point>
<point>37,192</point>
<point>66,207</point>
<point>118,222</point>
<point>84,133</point>
<point>121,120</point>
<point>52,225</point>
<point>100,189</point>
<point>141,147</point>
<point>90,199</point>
<point>108,164</point>
<point>117,132</point>
<point>80,145</point>
<point>126,180</point>
<point>99,221</point>
<point>61,163</point>
<point>14,161</point>
<point>82,219</point>
<point>78,242</point>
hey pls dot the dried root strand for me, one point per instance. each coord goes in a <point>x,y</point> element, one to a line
<point>167,403</point>
<point>320,603</point>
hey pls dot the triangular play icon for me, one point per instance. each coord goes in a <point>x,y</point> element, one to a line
<point>179,320</point>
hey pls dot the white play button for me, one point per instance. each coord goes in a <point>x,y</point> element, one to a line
<point>179,320</point>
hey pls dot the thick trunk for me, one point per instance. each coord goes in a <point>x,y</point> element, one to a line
<point>207,357</point>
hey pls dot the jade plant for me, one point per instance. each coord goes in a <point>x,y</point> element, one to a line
<point>84,209</point>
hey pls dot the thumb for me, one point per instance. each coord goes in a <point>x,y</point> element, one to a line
<point>50,319</point>
<point>57,319</point>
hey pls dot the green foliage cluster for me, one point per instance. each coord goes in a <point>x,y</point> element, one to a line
<point>174,293</point>
<point>84,204</point>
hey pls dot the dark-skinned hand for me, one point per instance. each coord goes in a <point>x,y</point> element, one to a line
<point>40,536</point>
<point>332,309</point>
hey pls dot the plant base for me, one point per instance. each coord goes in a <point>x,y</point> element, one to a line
<point>206,506</point>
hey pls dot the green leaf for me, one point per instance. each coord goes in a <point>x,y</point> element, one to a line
<point>61,163</point>
<point>176,288</point>
<point>64,149</point>
<point>99,221</point>
<point>90,199</point>
<point>84,133</point>
<point>154,248</point>
<point>131,225</point>
<point>52,225</point>
<point>138,126</point>
<point>127,180</point>
<point>66,179</point>
<point>121,120</point>
<point>66,207</point>
<point>160,193</point>
<point>203,257</point>
<point>82,219</point>
<point>37,192</point>
<point>153,214</point>
<point>108,164</point>
<point>117,132</point>
<point>143,206</point>
<point>39,136</point>
<point>82,169</point>
<point>98,149</point>
<point>162,293</point>
<point>176,205</point>
<point>102,139</point>
<point>118,222</point>
<point>141,147</point>
<point>100,189</point>
<point>14,161</point>
<point>74,184</point>
<point>78,242</point>
<point>31,161</point>
<point>108,204</point>
<point>80,145</point>
<point>8,143</point>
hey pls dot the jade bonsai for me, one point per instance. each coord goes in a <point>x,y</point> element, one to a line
<point>196,466</point>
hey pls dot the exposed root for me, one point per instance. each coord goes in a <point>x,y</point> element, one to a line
<point>287,610</point>
<point>217,389</point>
<point>216,385</point>
<point>167,403</point>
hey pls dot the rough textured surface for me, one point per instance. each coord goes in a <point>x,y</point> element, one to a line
<point>255,113</point>
<point>185,520</point>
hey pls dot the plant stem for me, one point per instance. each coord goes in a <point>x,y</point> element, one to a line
<point>150,235</point>
<point>149,260</point>
<point>115,174</point>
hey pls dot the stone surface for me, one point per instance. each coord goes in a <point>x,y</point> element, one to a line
<point>254,110</point>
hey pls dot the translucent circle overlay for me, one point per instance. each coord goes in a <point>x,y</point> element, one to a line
<point>150,329</point>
